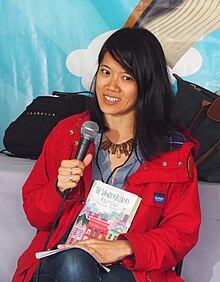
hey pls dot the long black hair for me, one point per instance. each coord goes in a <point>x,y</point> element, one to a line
<point>139,52</point>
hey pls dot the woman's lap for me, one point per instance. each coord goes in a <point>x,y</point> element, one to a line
<point>79,266</point>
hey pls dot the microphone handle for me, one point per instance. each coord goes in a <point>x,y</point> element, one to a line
<point>82,149</point>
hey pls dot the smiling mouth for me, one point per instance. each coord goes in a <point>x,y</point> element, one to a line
<point>111,99</point>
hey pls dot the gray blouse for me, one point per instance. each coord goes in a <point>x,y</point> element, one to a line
<point>102,170</point>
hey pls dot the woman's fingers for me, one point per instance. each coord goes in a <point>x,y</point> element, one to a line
<point>105,251</point>
<point>87,160</point>
<point>68,164</point>
<point>70,172</point>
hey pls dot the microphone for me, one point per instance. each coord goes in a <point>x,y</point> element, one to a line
<point>89,130</point>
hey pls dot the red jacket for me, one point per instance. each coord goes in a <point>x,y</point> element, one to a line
<point>161,234</point>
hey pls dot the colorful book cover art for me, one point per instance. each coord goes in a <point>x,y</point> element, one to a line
<point>107,213</point>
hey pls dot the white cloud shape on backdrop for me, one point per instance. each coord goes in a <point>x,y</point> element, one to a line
<point>83,62</point>
<point>188,64</point>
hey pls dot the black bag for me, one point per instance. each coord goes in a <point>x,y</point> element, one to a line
<point>200,112</point>
<point>26,135</point>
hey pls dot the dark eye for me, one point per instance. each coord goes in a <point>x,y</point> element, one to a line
<point>128,78</point>
<point>104,71</point>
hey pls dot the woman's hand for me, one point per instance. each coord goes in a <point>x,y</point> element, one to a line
<point>103,250</point>
<point>70,172</point>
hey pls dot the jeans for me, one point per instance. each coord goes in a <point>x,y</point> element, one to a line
<point>76,265</point>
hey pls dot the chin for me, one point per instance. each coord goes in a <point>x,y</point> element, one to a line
<point>107,109</point>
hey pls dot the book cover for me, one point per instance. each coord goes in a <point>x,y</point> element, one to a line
<point>107,213</point>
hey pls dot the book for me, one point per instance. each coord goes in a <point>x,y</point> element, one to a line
<point>108,212</point>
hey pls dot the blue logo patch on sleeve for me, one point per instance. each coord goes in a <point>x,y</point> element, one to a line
<point>159,198</point>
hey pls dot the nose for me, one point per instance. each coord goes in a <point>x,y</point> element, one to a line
<point>113,84</point>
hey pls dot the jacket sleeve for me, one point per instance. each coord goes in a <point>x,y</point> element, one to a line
<point>177,232</point>
<point>40,199</point>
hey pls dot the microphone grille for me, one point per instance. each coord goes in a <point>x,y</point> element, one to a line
<point>89,130</point>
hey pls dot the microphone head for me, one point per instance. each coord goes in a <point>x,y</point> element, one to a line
<point>89,130</point>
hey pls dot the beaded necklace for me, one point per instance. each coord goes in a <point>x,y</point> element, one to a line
<point>117,149</point>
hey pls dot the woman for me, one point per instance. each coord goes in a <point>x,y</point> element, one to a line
<point>133,104</point>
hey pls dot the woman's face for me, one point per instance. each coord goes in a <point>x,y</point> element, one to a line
<point>116,89</point>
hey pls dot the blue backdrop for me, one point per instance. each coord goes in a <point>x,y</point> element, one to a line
<point>36,38</point>
<point>50,45</point>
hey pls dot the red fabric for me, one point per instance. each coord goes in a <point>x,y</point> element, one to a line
<point>161,233</point>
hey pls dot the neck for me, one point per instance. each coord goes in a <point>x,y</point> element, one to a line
<point>120,129</point>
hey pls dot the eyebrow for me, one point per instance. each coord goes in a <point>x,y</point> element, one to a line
<point>106,66</point>
<point>103,65</point>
